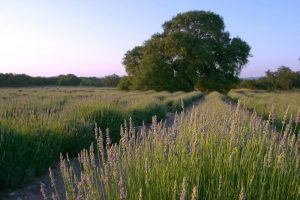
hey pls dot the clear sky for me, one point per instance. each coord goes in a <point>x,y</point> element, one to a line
<point>89,38</point>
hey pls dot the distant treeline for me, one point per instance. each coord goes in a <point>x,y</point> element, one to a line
<point>23,80</point>
<point>282,79</point>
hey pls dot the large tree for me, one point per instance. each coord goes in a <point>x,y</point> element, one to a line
<point>193,52</point>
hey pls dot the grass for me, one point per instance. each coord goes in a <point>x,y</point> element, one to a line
<point>281,106</point>
<point>218,151</point>
<point>36,124</point>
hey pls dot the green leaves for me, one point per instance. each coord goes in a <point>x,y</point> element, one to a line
<point>193,52</point>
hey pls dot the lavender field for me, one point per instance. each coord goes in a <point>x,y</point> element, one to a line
<point>37,124</point>
<point>217,150</point>
<point>149,100</point>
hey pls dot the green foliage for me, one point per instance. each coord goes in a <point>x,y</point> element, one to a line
<point>18,80</point>
<point>125,83</point>
<point>217,151</point>
<point>23,80</point>
<point>39,123</point>
<point>251,84</point>
<point>68,80</point>
<point>193,52</point>
<point>90,82</point>
<point>286,78</point>
<point>283,79</point>
<point>111,80</point>
<point>297,82</point>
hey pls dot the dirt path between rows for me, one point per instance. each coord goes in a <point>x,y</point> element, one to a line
<point>31,191</point>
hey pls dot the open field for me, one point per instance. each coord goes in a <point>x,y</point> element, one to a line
<point>36,124</point>
<point>218,151</point>
<point>281,106</point>
<point>148,100</point>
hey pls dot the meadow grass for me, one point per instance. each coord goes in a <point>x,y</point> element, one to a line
<point>217,151</point>
<point>36,124</point>
<point>282,105</point>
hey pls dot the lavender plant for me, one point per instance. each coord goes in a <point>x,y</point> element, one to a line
<point>217,151</point>
<point>36,124</point>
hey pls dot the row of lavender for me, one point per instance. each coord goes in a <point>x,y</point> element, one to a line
<point>36,124</point>
<point>217,151</point>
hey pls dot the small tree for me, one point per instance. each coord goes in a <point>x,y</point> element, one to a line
<point>286,78</point>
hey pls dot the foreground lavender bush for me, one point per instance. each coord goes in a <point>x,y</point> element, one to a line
<point>218,151</point>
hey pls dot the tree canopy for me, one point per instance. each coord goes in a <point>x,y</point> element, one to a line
<point>281,79</point>
<point>23,80</point>
<point>193,52</point>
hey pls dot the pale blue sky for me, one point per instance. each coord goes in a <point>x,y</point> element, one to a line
<point>89,38</point>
